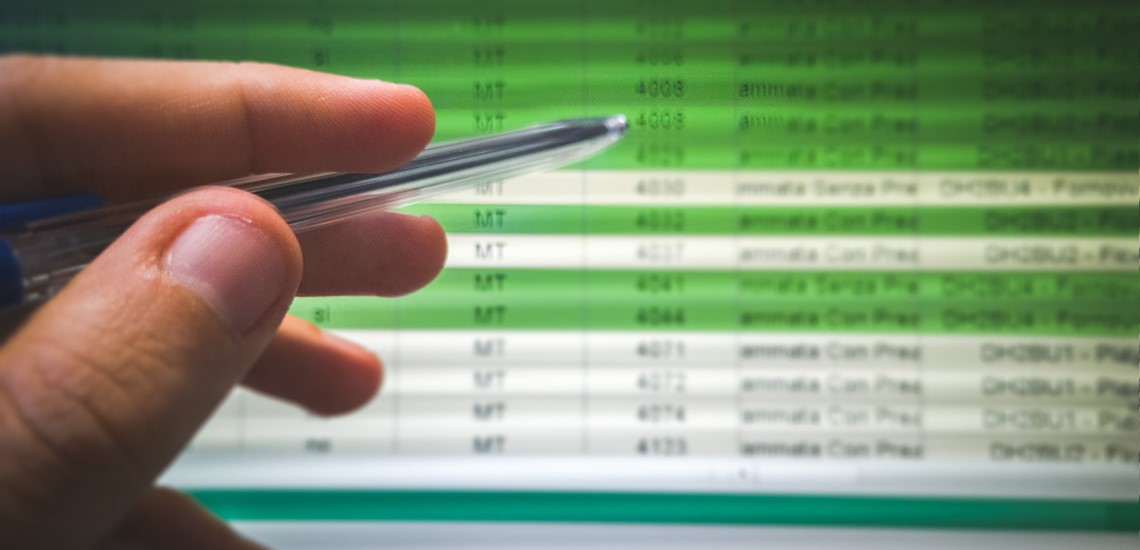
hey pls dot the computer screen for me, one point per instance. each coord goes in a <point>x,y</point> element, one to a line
<point>858,263</point>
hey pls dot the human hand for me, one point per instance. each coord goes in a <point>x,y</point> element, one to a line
<point>103,386</point>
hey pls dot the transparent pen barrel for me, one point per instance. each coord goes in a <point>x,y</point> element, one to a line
<point>55,250</point>
<point>403,187</point>
<point>49,259</point>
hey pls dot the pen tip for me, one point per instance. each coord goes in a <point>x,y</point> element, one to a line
<point>617,124</point>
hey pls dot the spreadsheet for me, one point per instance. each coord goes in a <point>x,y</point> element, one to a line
<point>856,262</point>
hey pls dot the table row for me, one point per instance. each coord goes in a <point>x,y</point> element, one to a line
<point>847,221</point>
<point>782,286</point>
<point>815,386</point>
<point>828,253</point>
<point>805,353</point>
<point>806,188</point>
<point>1058,434</point>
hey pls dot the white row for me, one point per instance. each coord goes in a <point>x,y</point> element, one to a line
<point>440,416</point>
<point>792,253</point>
<point>997,448</point>
<point>602,350</point>
<point>808,188</point>
<point>768,385</point>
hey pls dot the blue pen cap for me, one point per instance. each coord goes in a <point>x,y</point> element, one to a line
<point>15,216</point>
<point>11,277</point>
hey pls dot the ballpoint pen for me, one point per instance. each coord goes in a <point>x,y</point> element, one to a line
<point>43,247</point>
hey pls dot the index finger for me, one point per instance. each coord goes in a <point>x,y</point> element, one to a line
<point>128,129</point>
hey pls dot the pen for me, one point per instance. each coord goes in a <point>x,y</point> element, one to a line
<point>47,249</point>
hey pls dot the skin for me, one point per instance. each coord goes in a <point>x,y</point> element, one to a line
<point>103,386</point>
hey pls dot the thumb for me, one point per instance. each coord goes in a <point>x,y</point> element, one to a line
<point>106,383</point>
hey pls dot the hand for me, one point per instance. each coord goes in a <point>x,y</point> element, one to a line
<point>103,386</point>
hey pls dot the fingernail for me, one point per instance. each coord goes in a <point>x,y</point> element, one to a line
<point>233,266</point>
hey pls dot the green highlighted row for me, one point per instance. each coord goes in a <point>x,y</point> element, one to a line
<point>846,221</point>
<point>1121,288</point>
<point>1009,303</point>
<point>691,508</point>
<point>570,312</point>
